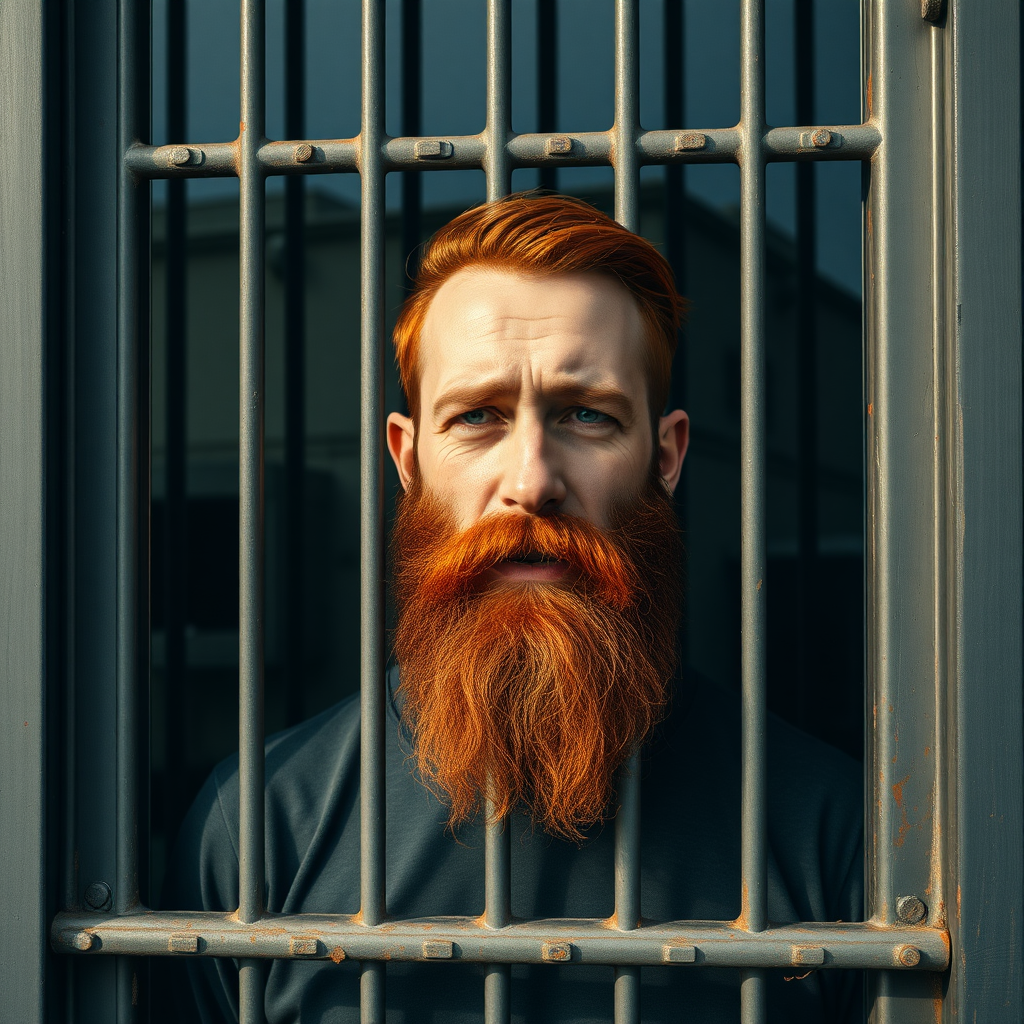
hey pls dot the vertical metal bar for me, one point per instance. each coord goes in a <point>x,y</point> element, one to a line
<point>31,161</point>
<point>627,211</point>
<point>372,792</point>
<point>132,462</point>
<point>807,367</point>
<point>295,361</point>
<point>753,904</point>
<point>983,846</point>
<point>133,475</point>
<point>252,226</point>
<point>175,568</point>
<point>901,571</point>
<point>412,125</point>
<point>547,79</point>
<point>498,169</point>
<point>625,158</point>
<point>498,162</point>
<point>674,48</point>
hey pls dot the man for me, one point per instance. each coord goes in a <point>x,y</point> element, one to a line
<point>536,563</point>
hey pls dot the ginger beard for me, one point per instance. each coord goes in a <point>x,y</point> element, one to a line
<point>534,692</point>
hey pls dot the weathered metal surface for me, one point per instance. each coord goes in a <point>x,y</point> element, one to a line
<point>26,560</point>
<point>469,152</point>
<point>702,943</point>
<point>984,760</point>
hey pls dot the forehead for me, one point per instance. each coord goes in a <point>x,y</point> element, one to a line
<point>485,322</point>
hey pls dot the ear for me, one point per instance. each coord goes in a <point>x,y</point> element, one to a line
<point>673,439</point>
<point>402,445</point>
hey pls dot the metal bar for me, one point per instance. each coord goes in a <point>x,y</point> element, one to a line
<point>901,570</point>
<point>498,171</point>
<point>133,487</point>
<point>252,245</point>
<point>674,47</point>
<point>371,468</point>
<point>626,997</point>
<point>132,456</point>
<point>497,159</point>
<point>985,768</point>
<point>468,152</point>
<point>412,121</point>
<point>626,130</point>
<point>30,301</point>
<point>251,468</point>
<point>807,371</point>
<point>295,364</point>
<point>547,81</point>
<point>676,944</point>
<point>753,857</point>
<point>175,547</point>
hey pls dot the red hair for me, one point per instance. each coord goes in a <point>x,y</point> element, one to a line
<point>547,234</point>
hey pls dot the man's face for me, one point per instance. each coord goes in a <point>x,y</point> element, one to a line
<point>533,398</point>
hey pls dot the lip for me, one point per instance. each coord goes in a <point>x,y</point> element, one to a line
<point>529,572</point>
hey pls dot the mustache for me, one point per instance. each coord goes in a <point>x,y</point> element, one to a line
<point>455,569</point>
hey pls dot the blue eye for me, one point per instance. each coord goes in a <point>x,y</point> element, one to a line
<point>475,417</point>
<point>591,416</point>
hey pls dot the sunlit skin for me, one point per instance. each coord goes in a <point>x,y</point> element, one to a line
<point>533,398</point>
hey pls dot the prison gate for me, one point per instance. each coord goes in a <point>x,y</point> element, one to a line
<point>940,146</point>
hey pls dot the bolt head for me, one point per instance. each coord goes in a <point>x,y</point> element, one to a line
<point>908,956</point>
<point>179,156</point>
<point>303,153</point>
<point>690,140</point>
<point>98,896</point>
<point>910,909</point>
<point>821,137</point>
<point>557,952</point>
<point>559,145</point>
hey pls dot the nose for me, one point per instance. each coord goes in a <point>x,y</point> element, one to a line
<point>532,479</point>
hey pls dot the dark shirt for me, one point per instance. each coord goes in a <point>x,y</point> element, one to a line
<point>690,786</point>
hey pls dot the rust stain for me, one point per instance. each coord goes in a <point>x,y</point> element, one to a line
<point>870,231</point>
<point>871,408</point>
<point>897,795</point>
<point>927,751</point>
<point>936,983</point>
<point>958,902</point>
<point>868,94</point>
<point>241,127</point>
<point>759,582</point>
<point>337,954</point>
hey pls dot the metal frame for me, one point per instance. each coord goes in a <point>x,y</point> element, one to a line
<point>941,146</point>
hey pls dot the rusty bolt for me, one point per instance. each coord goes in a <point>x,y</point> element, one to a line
<point>76,939</point>
<point>179,156</point>
<point>98,895</point>
<point>821,137</point>
<point>432,149</point>
<point>557,952</point>
<point>679,954</point>
<point>438,950</point>
<point>908,956</point>
<point>304,946</point>
<point>808,954</point>
<point>183,942</point>
<point>558,145</point>
<point>690,140</point>
<point>910,909</point>
<point>303,153</point>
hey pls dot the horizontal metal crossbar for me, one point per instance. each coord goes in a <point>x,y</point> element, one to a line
<point>469,152</point>
<point>589,941</point>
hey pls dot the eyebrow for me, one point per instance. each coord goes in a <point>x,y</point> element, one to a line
<point>472,393</point>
